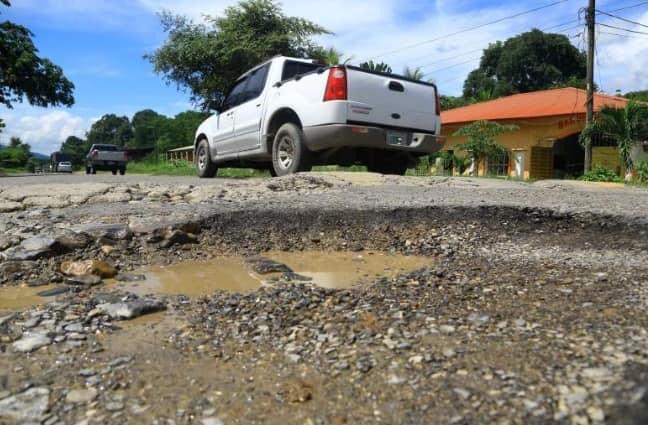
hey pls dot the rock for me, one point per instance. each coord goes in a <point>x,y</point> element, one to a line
<point>478,319</point>
<point>30,249</point>
<point>447,329</point>
<point>115,232</point>
<point>464,394</point>
<point>54,291</point>
<point>88,267</point>
<point>30,342</point>
<point>6,319</point>
<point>9,206</point>
<point>132,308</point>
<point>178,237</point>
<point>290,276</point>
<point>85,280</point>
<point>81,396</point>
<point>127,277</point>
<point>10,267</point>
<point>72,241</point>
<point>7,242</point>
<point>114,406</point>
<point>26,407</point>
<point>107,249</point>
<point>263,265</point>
<point>211,420</point>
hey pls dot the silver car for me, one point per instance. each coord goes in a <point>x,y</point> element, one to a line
<point>64,167</point>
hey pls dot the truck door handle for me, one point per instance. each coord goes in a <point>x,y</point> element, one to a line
<point>258,105</point>
<point>396,86</point>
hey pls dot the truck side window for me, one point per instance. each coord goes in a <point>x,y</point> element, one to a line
<point>256,83</point>
<point>292,69</point>
<point>236,95</point>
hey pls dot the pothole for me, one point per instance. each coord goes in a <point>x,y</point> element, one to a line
<point>239,274</point>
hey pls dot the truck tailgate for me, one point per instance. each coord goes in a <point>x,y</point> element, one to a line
<point>119,156</point>
<point>391,101</point>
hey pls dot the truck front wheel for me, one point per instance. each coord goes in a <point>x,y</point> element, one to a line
<point>289,153</point>
<point>204,165</point>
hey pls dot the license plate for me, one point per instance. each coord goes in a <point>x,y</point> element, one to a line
<point>110,162</point>
<point>397,138</point>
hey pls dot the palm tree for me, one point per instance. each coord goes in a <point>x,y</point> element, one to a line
<point>413,73</point>
<point>332,56</point>
<point>378,67</point>
<point>627,126</point>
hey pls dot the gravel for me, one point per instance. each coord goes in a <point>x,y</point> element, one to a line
<point>532,308</point>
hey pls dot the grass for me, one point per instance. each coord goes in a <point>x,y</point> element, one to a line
<point>186,168</point>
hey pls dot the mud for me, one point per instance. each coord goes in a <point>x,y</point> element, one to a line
<point>327,269</point>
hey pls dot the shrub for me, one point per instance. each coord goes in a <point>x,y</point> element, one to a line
<point>601,174</point>
<point>642,171</point>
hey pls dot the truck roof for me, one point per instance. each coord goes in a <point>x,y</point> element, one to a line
<point>274,58</point>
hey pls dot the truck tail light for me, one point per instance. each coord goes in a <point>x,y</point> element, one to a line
<point>336,86</point>
<point>438,103</point>
<point>95,152</point>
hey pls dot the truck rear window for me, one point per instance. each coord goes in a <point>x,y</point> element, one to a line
<point>106,148</point>
<point>292,69</point>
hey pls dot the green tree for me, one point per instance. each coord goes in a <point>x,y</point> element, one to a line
<point>626,126</point>
<point>451,102</point>
<point>112,130</point>
<point>640,96</point>
<point>530,61</point>
<point>378,67</point>
<point>207,58</point>
<point>413,73</point>
<point>481,140</point>
<point>16,154</point>
<point>147,126</point>
<point>24,74</point>
<point>76,148</point>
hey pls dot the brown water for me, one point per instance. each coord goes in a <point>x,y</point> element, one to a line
<point>327,269</point>
<point>20,297</point>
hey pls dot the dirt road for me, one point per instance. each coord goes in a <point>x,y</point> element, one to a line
<point>521,303</point>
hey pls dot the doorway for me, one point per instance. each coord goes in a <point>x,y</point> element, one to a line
<point>520,163</point>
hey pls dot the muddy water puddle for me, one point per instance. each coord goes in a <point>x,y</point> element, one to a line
<point>330,270</point>
<point>20,297</point>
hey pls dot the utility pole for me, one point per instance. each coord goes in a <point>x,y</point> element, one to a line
<point>591,13</point>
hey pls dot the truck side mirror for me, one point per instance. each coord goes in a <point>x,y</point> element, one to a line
<point>215,105</point>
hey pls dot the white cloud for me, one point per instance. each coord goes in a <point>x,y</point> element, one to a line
<point>44,130</point>
<point>623,59</point>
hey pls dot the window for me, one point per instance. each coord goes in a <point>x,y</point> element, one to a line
<point>256,83</point>
<point>292,69</point>
<point>236,96</point>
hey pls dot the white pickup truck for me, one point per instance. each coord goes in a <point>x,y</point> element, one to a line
<point>287,115</point>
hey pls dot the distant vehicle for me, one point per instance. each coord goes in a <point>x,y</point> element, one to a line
<point>287,114</point>
<point>106,157</point>
<point>65,167</point>
<point>56,159</point>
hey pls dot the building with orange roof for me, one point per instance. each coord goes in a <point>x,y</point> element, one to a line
<point>546,142</point>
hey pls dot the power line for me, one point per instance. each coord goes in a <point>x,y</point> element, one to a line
<point>623,19</point>
<point>622,29</point>
<point>638,37</point>
<point>479,57</point>
<point>526,12</point>
<point>630,7</point>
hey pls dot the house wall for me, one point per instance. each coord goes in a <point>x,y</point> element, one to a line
<point>533,132</point>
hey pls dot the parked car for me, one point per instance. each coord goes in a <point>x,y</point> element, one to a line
<point>287,115</point>
<point>64,167</point>
<point>56,159</point>
<point>106,157</point>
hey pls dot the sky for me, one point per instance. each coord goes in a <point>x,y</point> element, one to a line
<point>100,45</point>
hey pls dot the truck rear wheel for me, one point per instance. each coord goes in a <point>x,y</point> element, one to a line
<point>122,171</point>
<point>87,170</point>
<point>289,153</point>
<point>114,171</point>
<point>205,168</point>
